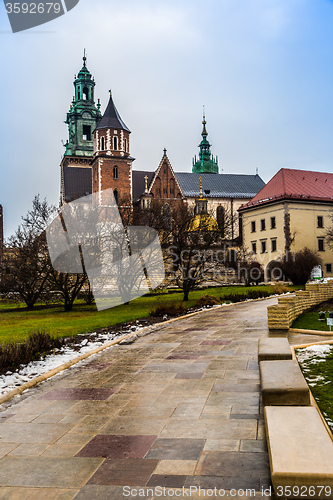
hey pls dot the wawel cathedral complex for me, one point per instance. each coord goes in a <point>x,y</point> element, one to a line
<point>98,157</point>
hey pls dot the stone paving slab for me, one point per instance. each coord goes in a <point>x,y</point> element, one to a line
<point>180,407</point>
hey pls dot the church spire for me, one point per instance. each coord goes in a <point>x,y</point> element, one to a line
<point>206,163</point>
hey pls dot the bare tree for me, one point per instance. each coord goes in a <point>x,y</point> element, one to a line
<point>26,265</point>
<point>188,242</point>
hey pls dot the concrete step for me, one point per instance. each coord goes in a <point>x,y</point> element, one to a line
<point>300,452</point>
<point>282,383</point>
<point>273,348</point>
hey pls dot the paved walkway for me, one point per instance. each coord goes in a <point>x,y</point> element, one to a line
<point>177,408</point>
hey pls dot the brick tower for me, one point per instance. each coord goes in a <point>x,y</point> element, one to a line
<point>112,164</point>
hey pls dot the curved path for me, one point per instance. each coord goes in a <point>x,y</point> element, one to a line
<point>177,408</point>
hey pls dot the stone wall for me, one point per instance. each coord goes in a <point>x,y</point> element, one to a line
<point>282,315</point>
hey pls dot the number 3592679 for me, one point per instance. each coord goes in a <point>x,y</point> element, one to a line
<point>33,8</point>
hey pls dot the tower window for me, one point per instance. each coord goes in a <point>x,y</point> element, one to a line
<point>115,172</point>
<point>102,143</point>
<point>85,93</point>
<point>125,145</point>
<point>86,133</point>
<point>116,196</point>
<point>115,143</point>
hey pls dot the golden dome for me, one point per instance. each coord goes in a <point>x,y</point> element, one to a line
<point>203,222</point>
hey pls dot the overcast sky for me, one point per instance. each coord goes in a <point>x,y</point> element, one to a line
<point>262,68</point>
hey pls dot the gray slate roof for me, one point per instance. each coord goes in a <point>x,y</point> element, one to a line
<point>111,118</point>
<point>138,182</point>
<point>77,182</point>
<point>220,185</point>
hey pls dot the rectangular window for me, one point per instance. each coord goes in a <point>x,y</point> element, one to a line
<point>254,246</point>
<point>320,221</point>
<point>253,226</point>
<point>321,247</point>
<point>328,268</point>
<point>263,225</point>
<point>273,223</point>
<point>263,246</point>
<point>86,133</point>
<point>273,245</point>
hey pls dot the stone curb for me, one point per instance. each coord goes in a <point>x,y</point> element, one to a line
<point>310,332</point>
<point>41,378</point>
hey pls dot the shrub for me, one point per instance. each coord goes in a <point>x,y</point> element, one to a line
<point>297,266</point>
<point>206,301</point>
<point>15,354</point>
<point>279,288</point>
<point>174,309</point>
<point>257,294</point>
<point>239,297</point>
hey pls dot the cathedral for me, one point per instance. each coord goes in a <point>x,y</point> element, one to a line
<point>97,157</point>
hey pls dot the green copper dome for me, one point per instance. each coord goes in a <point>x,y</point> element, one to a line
<point>206,163</point>
<point>83,115</point>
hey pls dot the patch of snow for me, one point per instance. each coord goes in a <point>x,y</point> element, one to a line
<point>12,380</point>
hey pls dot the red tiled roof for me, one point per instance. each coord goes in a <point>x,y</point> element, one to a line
<point>295,184</point>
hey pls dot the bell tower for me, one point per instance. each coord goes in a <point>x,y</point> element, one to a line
<point>206,163</point>
<point>82,119</point>
<point>112,164</point>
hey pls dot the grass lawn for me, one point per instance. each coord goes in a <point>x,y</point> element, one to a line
<point>318,372</point>
<point>309,320</point>
<point>16,322</point>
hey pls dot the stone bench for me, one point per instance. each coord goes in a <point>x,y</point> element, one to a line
<point>282,383</point>
<point>273,348</point>
<point>300,452</point>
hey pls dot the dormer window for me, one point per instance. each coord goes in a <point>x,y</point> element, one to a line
<point>115,143</point>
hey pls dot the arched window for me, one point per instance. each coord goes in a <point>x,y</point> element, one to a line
<point>115,143</point>
<point>102,143</point>
<point>220,219</point>
<point>172,188</point>
<point>115,194</point>
<point>115,172</point>
<point>85,93</point>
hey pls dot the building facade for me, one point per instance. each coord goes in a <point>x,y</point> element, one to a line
<point>290,213</point>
